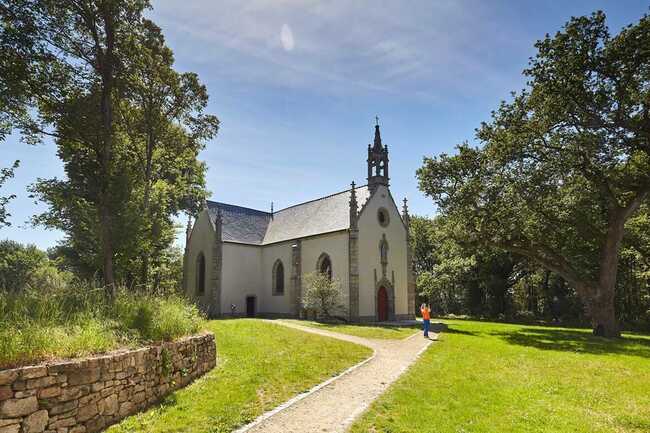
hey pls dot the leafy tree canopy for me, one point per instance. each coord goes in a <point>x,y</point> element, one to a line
<point>562,166</point>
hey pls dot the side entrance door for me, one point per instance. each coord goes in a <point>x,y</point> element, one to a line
<point>382,304</point>
<point>250,306</point>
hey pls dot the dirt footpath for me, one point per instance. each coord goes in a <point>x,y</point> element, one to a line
<point>334,405</point>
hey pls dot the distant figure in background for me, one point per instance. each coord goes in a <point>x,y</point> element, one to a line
<point>555,309</point>
<point>233,309</point>
<point>426,318</point>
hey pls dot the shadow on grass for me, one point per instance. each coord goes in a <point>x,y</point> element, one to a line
<point>450,329</point>
<point>388,326</point>
<point>565,340</point>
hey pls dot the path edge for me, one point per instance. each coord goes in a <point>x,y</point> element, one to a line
<point>287,404</point>
<point>359,412</point>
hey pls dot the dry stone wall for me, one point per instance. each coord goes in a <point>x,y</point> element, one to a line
<point>89,394</point>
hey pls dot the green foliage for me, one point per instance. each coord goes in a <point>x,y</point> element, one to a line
<point>322,295</point>
<point>458,278</point>
<point>253,375</point>
<point>128,128</point>
<point>6,173</point>
<point>166,360</point>
<point>500,378</point>
<point>156,318</point>
<point>563,165</point>
<point>23,267</point>
<point>78,319</point>
<point>423,236</point>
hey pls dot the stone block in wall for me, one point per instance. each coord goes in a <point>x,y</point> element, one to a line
<point>50,392</point>
<point>87,412</point>
<point>84,376</point>
<point>63,423</point>
<point>18,407</point>
<point>33,372</point>
<point>7,377</point>
<point>9,421</point>
<point>11,428</point>
<point>6,392</point>
<point>36,422</point>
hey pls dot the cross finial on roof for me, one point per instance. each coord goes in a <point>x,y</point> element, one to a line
<point>377,145</point>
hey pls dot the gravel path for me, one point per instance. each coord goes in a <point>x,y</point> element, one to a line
<point>335,404</point>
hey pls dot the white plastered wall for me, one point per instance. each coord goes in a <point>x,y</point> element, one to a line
<point>370,235</point>
<point>269,303</point>
<point>241,276</point>
<point>202,239</point>
<point>336,246</point>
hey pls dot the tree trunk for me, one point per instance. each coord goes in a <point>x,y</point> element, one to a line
<point>107,252</point>
<point>105,64</point>
<point>601,302</point>
<point>603,316</point>
<point>146,253</point>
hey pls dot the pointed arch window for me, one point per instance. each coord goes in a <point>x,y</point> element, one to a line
<point>324,265</point>
<point>200,275</point>
<point>278,278</point>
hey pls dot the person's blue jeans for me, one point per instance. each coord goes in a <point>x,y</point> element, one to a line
<point>427,325</point>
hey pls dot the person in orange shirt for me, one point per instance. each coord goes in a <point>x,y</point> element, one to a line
<point>426,318</point>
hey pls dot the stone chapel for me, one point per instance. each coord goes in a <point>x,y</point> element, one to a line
<point>246,262</point>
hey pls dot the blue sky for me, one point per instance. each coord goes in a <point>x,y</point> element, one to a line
<point>297,84</point>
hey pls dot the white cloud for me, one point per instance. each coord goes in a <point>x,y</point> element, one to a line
<point>286,36</point>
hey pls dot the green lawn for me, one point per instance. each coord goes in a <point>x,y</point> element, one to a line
<point>488,377</point>
<point>366,331</point>
<point>260,365</point>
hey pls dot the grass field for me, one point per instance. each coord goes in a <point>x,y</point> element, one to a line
<point>366,331</point>
<point>260,365</point>
<point>499,378</point>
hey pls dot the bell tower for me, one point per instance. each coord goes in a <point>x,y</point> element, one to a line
<point>377,162</point>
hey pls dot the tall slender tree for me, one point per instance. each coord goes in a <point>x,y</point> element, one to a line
<point>165,121</point>
<point>71,49</point>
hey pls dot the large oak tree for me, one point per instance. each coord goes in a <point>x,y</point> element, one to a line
<point>562,166</point>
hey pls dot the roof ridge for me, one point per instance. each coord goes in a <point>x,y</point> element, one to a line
<point>317,199</point>
<point>238,206</point>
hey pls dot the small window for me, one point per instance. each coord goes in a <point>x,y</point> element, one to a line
<point>324,265</point>
<point>200,275</point>
<point>382,217</point>
<point>278,278</point>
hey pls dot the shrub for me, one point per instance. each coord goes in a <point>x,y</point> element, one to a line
<point>322,295</point>
<point>78,320</point>
<point>156,318</point>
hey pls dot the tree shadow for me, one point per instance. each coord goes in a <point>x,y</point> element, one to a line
<point>565,340</point>
<point>384,325</point>
<point>450,329</point>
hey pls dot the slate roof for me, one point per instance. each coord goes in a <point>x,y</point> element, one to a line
<point>240,224</point>
<point>323,215</point>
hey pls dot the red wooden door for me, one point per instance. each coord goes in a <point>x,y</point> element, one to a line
<point>382,305</point>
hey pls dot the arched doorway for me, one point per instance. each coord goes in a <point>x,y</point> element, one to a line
<point>382,304</point>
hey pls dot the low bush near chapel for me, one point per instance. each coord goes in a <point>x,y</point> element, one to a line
<point>322,296</point>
